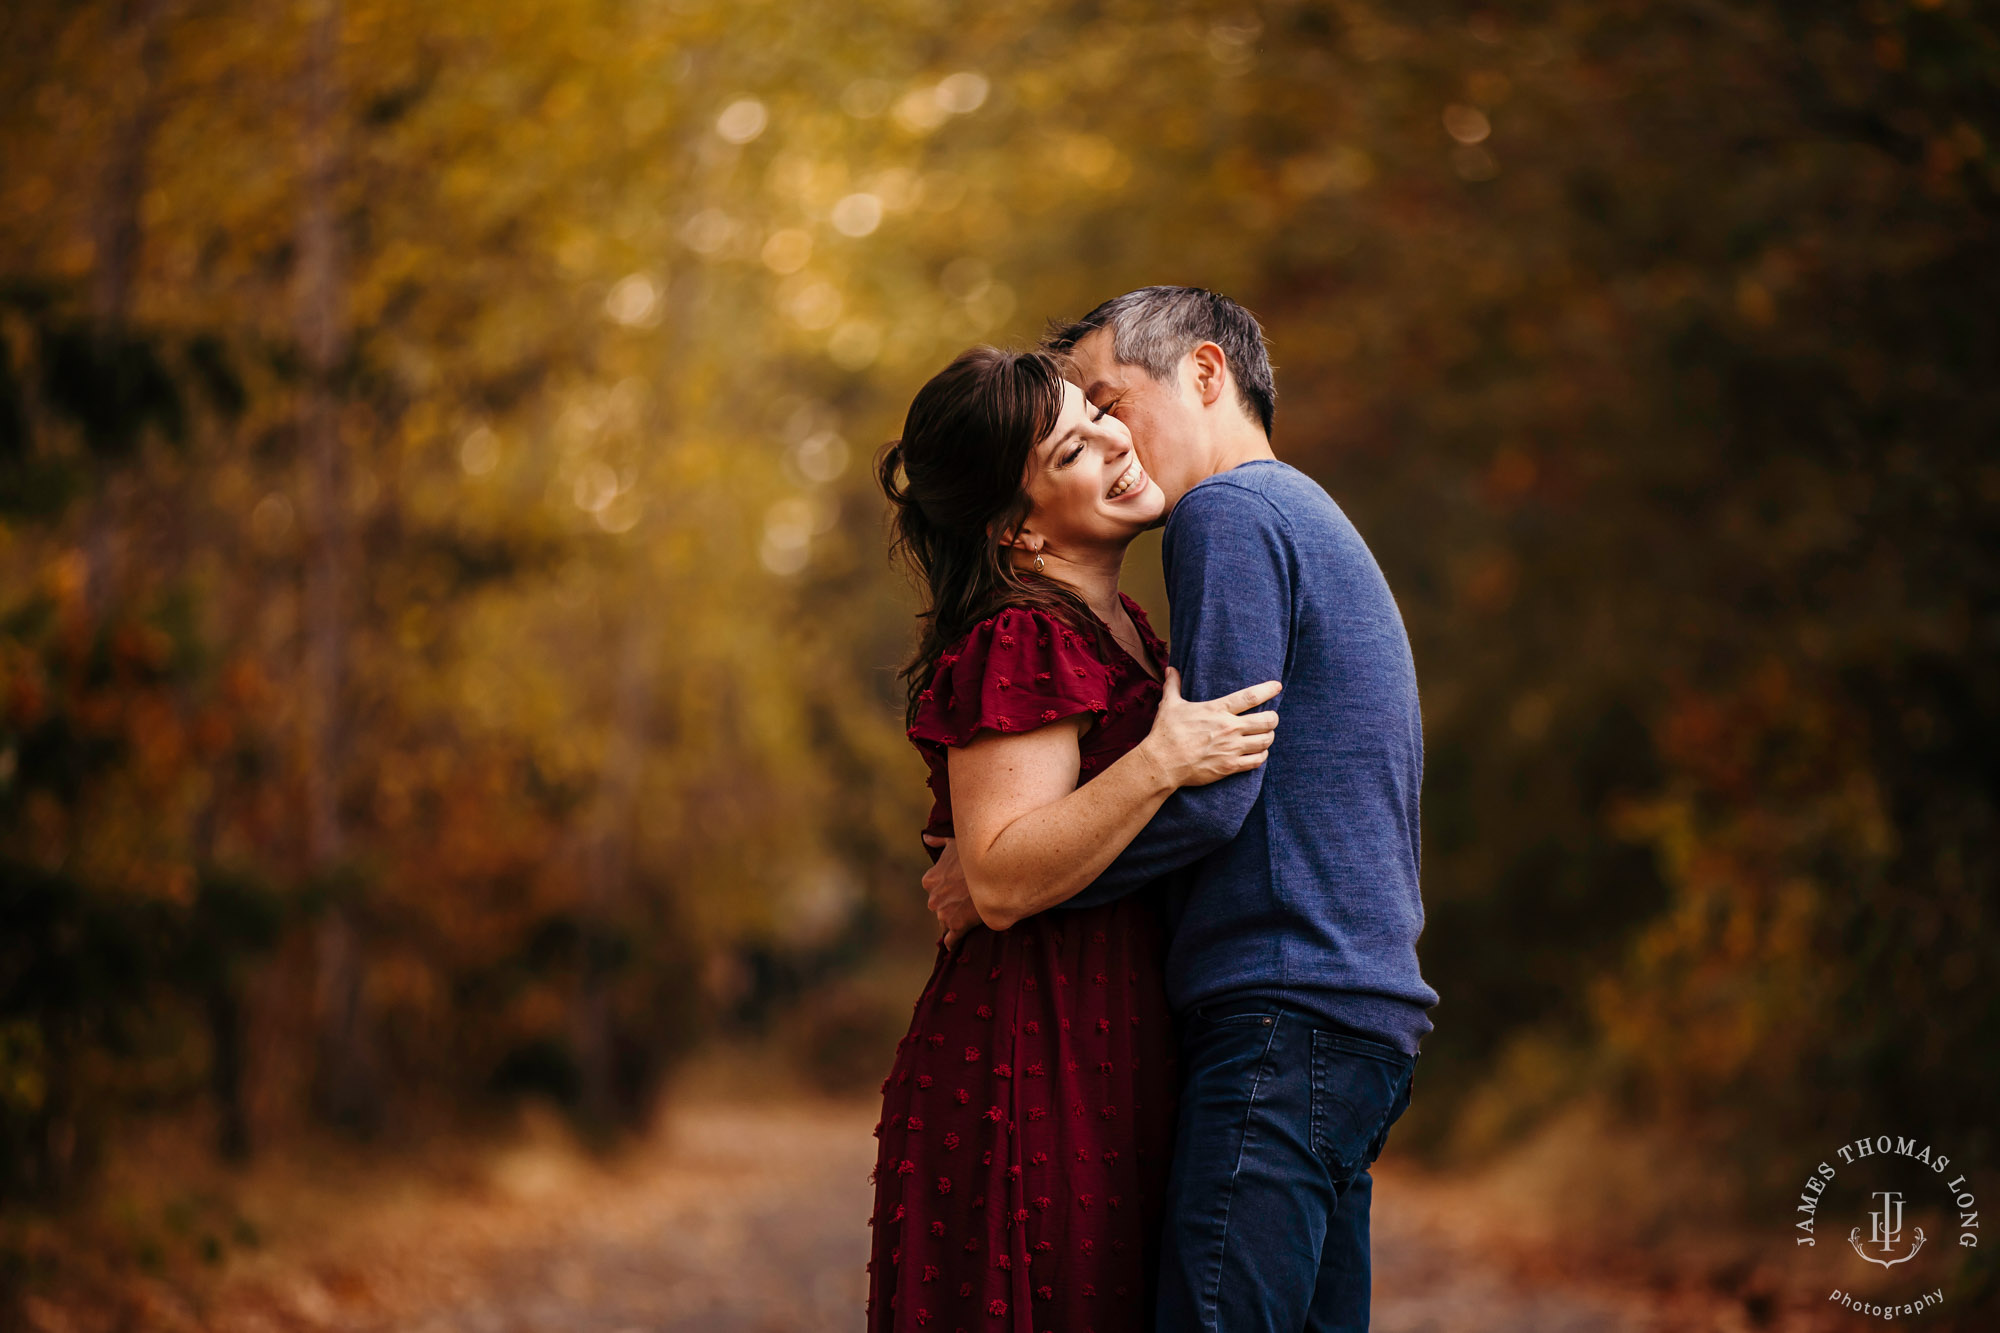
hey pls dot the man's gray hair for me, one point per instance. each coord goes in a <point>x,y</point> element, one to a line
<point>1154,327</point>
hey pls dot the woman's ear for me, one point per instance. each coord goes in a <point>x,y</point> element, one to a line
<point>1019,537</point>
<point>1024,542</point>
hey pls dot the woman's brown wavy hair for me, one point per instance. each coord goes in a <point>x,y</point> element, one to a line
<point>961,460</point>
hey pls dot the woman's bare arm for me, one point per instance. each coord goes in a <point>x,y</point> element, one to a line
<point>1029,837</point>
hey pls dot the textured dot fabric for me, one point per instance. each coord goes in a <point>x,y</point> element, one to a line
<point>1027,1120</point>
<point>1023,669</point>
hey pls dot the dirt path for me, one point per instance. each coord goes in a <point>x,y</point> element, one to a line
<point>752,1218</point>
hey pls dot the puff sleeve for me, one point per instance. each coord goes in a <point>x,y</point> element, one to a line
<point>1016,671</point>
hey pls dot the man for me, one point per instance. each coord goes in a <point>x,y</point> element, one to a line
<point>1294,904</point>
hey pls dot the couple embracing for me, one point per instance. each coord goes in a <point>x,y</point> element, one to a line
<point>1176,1006</point>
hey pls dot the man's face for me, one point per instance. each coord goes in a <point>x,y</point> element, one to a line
<point>1164,425</point>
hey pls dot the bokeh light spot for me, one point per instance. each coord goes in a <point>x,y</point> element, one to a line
<point>596,486</point>
<point>962,92</point>
<point>479,452</point>
<point>821,456</point>
<point>271,521</point>
<point>709,232</point>
<point>812,305</point>
<point>857,215</point>
<point>633,301</point>
<point>742,120</point>
<point>1467,124</point>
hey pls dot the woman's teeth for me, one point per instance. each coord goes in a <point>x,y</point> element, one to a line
<point>1133,475</point>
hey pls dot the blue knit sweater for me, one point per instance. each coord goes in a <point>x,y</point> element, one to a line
<point>1300,878</point>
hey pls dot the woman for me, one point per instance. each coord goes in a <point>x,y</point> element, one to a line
<point>1026,1122</point>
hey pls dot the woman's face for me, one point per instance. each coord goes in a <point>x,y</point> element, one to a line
<point>1086,484</point>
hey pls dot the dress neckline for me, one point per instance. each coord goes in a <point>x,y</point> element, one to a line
<point>1152,641</point>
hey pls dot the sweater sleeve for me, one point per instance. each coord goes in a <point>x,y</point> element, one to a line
<point>1230,578</point>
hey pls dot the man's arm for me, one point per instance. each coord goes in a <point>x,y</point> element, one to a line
<point>1229,585</point>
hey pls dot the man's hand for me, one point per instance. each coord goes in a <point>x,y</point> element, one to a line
<point>950,896</point>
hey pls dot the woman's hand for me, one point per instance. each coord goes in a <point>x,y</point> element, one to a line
<point>1198,743</point>
<point>1031,837</point>
<point>948,897</point>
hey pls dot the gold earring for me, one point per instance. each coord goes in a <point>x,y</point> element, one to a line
<point>1038,563</point>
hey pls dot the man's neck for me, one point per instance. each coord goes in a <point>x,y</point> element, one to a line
<point>1233,449</point>
<point>1238,447</point>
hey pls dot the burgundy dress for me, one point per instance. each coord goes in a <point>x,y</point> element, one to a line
<point>1027,1122</point>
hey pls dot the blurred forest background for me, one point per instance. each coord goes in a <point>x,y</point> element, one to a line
<point>446,644</point>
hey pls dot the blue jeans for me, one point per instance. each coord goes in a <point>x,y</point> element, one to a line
<point>1267,1206</point>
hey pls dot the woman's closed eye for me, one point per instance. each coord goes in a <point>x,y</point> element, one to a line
<point>1098,414</point>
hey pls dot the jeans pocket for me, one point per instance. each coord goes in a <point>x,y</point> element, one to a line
<point>1359,1089</point>
<point>1396,1109</point>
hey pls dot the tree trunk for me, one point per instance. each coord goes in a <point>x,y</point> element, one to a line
<point>225,1031</point>
<point>345,1084</point>
<point>115,224</point>
<point>607,864</point>
<point>117,236</point>
<point>118,241</point>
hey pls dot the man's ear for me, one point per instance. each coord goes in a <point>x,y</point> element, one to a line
<point>1210,367</point>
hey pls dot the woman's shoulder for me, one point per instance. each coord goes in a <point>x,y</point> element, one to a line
<point>1020,668</point>
<point>1017,629</point>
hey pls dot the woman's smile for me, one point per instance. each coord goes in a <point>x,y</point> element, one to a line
<point>1129,480</point>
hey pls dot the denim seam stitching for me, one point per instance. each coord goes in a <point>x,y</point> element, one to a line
<point>1317,1140</point>
<point>1211,1298</point>
<point>1374,1050</point>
